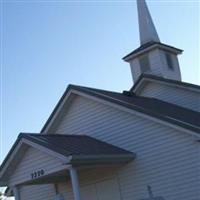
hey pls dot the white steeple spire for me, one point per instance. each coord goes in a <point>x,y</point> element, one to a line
<point>152,57</point>
<point>148,31</point>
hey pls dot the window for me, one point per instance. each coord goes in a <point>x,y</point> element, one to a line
<point>169,61</point>
<point>144,63</point>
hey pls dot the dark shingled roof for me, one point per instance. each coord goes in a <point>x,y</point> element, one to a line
<point>151,106</point>
<point>81,148</point>
<point>74,145</point>
<point>151,44</point>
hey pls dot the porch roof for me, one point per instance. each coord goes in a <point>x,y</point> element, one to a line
<point>78,146</point>
<point>77,149</point>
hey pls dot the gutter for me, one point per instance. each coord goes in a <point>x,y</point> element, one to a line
<point>101,159</point>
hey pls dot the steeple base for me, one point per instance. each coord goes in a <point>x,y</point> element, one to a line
<point>155,58</point>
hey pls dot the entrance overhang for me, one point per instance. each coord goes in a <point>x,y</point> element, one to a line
<point>68,153</point>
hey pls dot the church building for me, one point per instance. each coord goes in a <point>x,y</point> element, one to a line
<point>140,144</point>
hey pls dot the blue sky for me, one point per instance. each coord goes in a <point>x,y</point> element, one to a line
<point>48,44</point>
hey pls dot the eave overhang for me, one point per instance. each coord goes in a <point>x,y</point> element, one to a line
<point>151,46</point>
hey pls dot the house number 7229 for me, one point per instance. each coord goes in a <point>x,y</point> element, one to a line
<point>37,174</point>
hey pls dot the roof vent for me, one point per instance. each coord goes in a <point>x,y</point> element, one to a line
<point>128,93</point>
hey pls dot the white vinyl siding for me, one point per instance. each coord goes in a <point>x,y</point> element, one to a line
<point>156,64</point>
<point>89,191</point>
<point>107,189</point>
<point>91,181</point>
<point>159,65</point>
<point>37,192</point>
<point>33,160</point>
<point>185,98</point>
<point>166,158</point>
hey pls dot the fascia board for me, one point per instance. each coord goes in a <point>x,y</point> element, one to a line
<point>102,159</point>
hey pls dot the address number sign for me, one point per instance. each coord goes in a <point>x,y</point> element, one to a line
<point>37,174</point>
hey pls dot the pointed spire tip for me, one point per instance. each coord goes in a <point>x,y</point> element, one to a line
<point>147,28</point>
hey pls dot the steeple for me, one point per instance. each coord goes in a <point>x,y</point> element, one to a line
<point>152,57</point>
<point>147,28</point>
